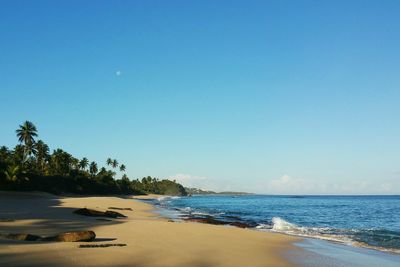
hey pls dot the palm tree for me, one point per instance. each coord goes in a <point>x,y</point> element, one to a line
<point>125,184</point>
<point>83,163</point>
<point>75,163</point>
<point>4,151</point>
<point>109,161</point>
<point>5,155</point>
<point>12,173</point>
<point>93,168</point>
<point>60,162</point>
<point>18,155</point>
<point>42,155</point>
<point>114,163</point>
<point>122,168</point>
<point>26,133</point>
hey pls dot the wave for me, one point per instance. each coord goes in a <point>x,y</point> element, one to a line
<point>264,226</point>
<point>193,212</point>
<point>282,226</point>
<point>163,198</point>
<point>186,209</point>
<point>358,238</point>
<point>279,224</point>
<point>203,213</point>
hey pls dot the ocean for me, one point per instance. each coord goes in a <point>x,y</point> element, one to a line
<point>359,221</point>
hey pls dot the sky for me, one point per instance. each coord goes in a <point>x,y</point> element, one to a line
<point>274,97</point>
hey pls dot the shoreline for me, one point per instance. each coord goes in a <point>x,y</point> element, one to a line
<point>201,215</point>
<point>318,252</point>
<point>150,239</point>
<point>313,251</point>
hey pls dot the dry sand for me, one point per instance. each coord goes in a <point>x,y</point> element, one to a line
<point>151,240</point>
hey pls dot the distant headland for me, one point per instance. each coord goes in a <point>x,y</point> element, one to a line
<point>197,191</point>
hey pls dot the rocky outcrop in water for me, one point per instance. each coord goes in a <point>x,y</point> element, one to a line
<point>211,220</point>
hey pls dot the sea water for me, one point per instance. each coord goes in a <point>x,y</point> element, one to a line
<point>360,221</point>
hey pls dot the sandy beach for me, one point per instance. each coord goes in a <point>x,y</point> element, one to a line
<point>150,240</point>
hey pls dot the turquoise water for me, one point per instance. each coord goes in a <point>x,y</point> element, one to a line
<point>366,221</point>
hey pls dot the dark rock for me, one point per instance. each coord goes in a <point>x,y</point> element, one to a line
<point>82,236</point>
<point>232,217</point>
<point>113,214</point>
<point>7,220</point>
<point>240,224</point>
<point>211,220</point>
<point>22,237</point>
<point>89,212</point>
<point>208,220</point>
<point>115,208</point>
<point>97,213</point>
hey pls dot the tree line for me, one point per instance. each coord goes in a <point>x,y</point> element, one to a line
<point>30,166</point>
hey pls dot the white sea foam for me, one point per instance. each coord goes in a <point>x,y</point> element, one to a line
<point>163,198</point>
<point>186,209</point>
<point>263,227</point>
<point>201,213</point>
<point>324,233</point>
<point>281,226</point>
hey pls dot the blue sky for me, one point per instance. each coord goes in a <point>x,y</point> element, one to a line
<point>262,96</point>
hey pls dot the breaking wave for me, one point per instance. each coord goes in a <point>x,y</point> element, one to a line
<point>164,198</point>
<point>370,238</point>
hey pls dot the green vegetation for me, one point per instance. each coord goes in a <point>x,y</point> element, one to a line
<point>31,167</point>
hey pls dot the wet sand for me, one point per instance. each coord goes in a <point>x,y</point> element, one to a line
<point>316,253</point>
